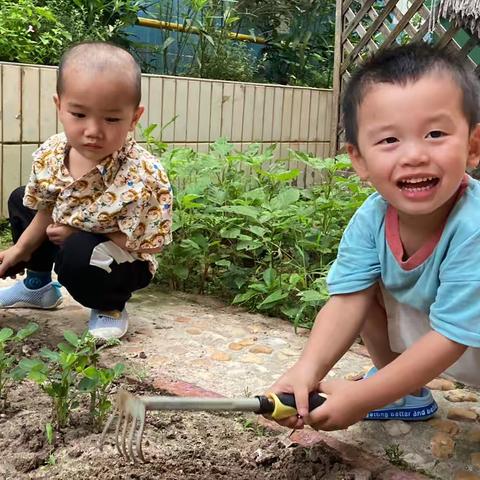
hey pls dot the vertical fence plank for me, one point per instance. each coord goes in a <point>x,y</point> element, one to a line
<point>11,171</point>
<point>227,110</point>
<point>267,128</point>
<point>205,112</point>
<point>155,104</point>
<point>31,104</point>
<point>305,115</point>
<point>296,115</point>
<point>248,113</point>
<point>277,114</point>
<point>2,109</point>
<point>11,102</point>
<point>258,109</point>
<point>145,102</point>
<point>313,117</point>
<point>26,161</point>
<point>193,111</point>
<point>237,114</point>
<point>322,127</point>
<point>216,111</point>
<point>48,111</point>
<point>287,114</point>
<point>168,111</point>
<point>181,111</point>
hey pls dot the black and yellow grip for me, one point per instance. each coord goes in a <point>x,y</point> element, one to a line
<point>282,405</point>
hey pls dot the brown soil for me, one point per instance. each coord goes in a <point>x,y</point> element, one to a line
<point>176,445</point>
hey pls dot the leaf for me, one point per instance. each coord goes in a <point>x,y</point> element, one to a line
<point>90,372</point>
<point>274,297</point>
<point>311,296</point>
<point>27,331</point>
<point>71,338</point>
<point>37,376</point>
<point>241,210</point>
<point>5,334</point>
<point>244,297</point>
<point>285,198</point>
<point>49,433</point>
<point>167,43</point>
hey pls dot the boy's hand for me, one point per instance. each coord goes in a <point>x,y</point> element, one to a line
<point>344,406</point>
<point>11,257</point>
<point>58,233</point>
<point>300,381</point>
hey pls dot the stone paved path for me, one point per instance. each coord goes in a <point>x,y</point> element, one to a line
<point>177,341</point>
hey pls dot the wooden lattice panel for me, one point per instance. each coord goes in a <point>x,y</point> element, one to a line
<point>365,27</point>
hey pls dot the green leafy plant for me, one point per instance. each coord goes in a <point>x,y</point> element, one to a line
<point>69,372</point>
<point>244,231</point>
<point>9,358</point>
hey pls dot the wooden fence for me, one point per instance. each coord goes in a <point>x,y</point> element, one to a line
<point>293,118</point>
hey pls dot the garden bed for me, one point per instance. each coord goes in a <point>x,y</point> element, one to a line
<point>177,445</point>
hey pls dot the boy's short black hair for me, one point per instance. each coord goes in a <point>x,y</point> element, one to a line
<point>400,65</point>
<point>100,55</point>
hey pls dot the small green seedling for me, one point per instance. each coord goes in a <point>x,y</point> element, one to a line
<point>8,358</point>
<point>71,371</point>
<point>395,455</point>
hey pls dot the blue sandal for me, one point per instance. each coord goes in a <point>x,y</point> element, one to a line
<point>410,408</point>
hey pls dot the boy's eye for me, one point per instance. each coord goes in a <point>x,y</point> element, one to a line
<point>389,140</point>
<point>78,114</point>
<point>436,134</point>
<point>112,120</point>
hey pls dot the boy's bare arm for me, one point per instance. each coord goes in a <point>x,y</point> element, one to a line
<point>29,241</point>
<point>337,325</point>
<point>349,401</point>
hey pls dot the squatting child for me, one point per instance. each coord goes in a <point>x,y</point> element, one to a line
<point>407,276</point>
<point>97,205</point>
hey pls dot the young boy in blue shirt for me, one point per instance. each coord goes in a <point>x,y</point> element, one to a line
<point>407,276</point>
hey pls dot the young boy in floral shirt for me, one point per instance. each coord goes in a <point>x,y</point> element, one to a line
<point>97,205</point>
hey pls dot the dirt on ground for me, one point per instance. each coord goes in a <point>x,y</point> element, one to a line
<point>176,445</point>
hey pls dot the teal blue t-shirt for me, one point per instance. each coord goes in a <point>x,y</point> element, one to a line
<point>441,279</point>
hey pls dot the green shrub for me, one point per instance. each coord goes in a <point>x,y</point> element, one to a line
<point>242,230</point>
<point>38,31</point>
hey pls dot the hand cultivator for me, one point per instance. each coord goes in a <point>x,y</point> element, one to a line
<point>131,411</point>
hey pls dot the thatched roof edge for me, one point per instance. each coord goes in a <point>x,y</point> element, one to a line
<point>465,12</point>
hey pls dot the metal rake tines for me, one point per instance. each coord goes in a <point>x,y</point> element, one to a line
<point>129,410</point>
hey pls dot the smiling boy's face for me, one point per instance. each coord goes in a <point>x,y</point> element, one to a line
<point>97,110</point>
<point>414,143</point>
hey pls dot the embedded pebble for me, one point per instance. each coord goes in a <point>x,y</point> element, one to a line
<point>465,475</point>
<point>441,384</point>
<point>475,459</point>
<point>447,426</point>
<point>396,428</point>
<point>247,342</point>
<point>442,445</point>
<point>354,376</point>
<point>360,474</point>
<point>183,319</point>
<point>473,435</point>
<point>235,346</point>
<point>261,349</point>
<point>461,414</point>
<point>193,331</point>
<point>414,459</point>
<point>250,358</point>
<point>221,356</point>
<point>461,396</point>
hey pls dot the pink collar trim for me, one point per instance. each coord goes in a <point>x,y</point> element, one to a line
<point>394,242</point>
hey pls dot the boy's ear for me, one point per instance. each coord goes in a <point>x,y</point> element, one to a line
<point>136,116</point>
<point>358,162</point>
<point>56,100</point>
<point>474,147</point>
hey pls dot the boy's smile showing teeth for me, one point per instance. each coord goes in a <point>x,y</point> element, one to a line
<point>418,184</point>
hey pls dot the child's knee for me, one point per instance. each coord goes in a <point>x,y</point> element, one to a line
<point>16,198</point>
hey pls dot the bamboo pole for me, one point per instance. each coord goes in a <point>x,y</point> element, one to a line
<point>177,27</point>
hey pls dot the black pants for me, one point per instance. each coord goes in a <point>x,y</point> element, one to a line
<point>89,285</point>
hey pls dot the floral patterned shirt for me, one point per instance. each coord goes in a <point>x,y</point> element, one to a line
<point>128,192</point>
